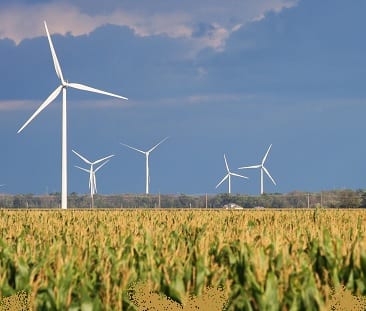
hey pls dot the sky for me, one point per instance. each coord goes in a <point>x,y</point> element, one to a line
<point>217,77</point>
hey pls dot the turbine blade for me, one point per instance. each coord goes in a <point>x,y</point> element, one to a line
<point>269,175</point>
<point>81,157</point>
<point>101,166</point>
<point>222,180</point>
<point>83,169</point>
<point>54,56</point>
<point>44,105</point>
<point>253,166</point>
<point>265,157</point>
<point>91,89</point>
<point>158,144</point>
<point>237,175</point>
<point>101,160</point>
<point>227,166</point>
<point>134,148</point>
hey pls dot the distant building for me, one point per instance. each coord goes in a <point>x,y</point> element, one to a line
<point>232,206</point>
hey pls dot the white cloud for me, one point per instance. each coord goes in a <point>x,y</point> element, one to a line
<point>32,105</point>
<point>21,22</point>
<point>13,105</point>
<point>197,99</point>
<point>178,20</point>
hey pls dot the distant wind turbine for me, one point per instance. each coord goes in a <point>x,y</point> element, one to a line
<point>147,154</point>
<point>263,169</point>
<point>92,171</point>
<point>62,87</point>
<point>228,175</point>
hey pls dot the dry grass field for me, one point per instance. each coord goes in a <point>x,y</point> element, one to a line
<point>260,259</point>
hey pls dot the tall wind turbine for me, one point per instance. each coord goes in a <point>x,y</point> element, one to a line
<point>263,169</point>
<point>147,154</point>
<point>62,87</point>
<point>92,171</point>
<point>228,175</point>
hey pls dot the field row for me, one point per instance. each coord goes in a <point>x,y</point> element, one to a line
<point>263,260</point>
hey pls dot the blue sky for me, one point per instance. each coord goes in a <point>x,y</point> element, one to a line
<point>216,77</point>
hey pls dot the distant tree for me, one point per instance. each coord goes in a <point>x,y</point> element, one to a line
<point>363,199</point>
<point>18,201</point>
<point>349,199</point>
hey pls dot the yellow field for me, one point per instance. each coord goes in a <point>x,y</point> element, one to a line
<point>263,259</point>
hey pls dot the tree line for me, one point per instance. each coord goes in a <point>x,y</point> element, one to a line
<point>329,199</point>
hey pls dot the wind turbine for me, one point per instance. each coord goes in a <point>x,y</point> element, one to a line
<point>92,171</point>
<point>147,154</point>
<point>62,87</point>
<point>228,175</point>
<point>263,169</point>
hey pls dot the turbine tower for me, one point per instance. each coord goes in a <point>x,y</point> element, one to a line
<point>92,171</point>
<point>228,175</point>
<point>263,169</point>
<point>147,154</point>
<point>62,87</point>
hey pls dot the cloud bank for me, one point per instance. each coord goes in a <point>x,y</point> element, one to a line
<point>204,24</point>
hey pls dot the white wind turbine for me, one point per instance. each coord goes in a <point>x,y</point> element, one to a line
<point>263,169</point>
<point>147,154</point>
<point>228,175</point>
<point>62,87</point>
<point>92,171</point>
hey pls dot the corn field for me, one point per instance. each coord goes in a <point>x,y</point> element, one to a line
<point>262,259</point>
